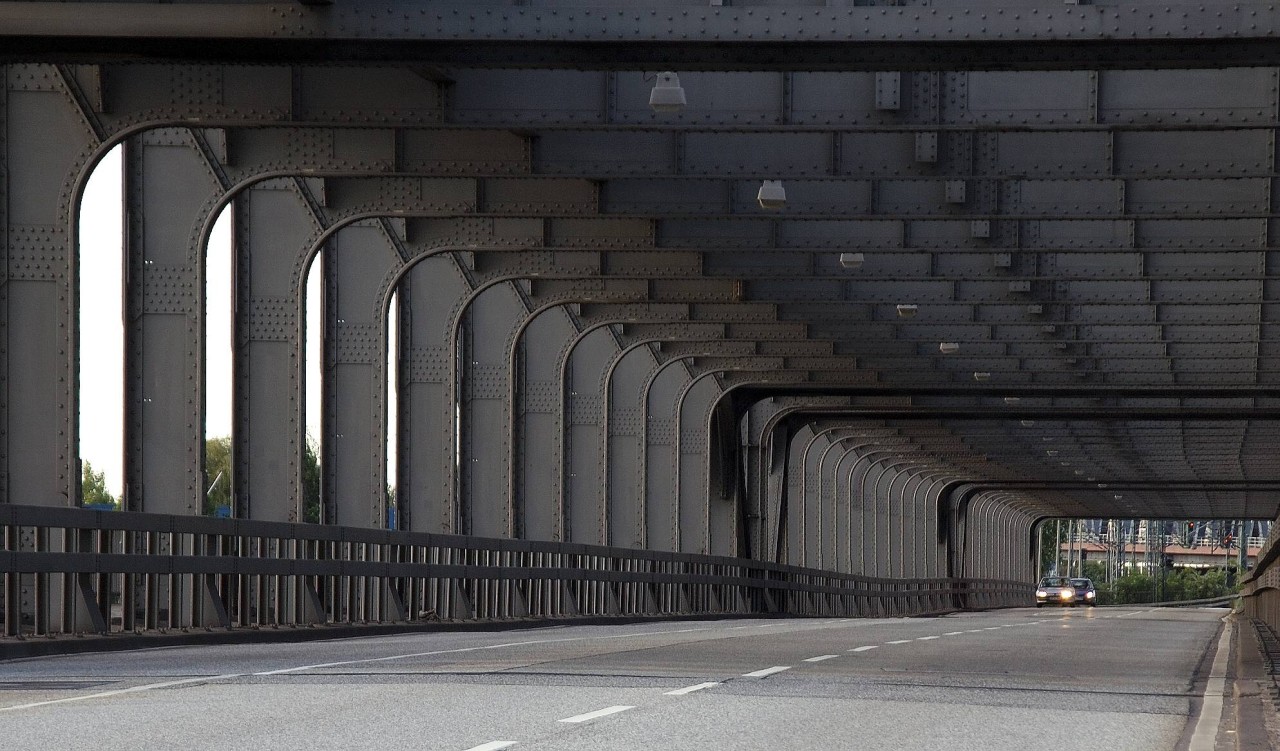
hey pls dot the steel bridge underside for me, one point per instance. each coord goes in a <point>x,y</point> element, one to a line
<point>1023,271</point>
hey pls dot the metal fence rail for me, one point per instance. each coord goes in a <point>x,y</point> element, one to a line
<point>68,570</point>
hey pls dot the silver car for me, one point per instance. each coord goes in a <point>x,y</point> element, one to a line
<point>1055,590</point>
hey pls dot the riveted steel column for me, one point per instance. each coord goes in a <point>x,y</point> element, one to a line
<point>835,510</point>
<point>626,454</point>
<point>708,522</point>
<point>484,490</point>
<point>270,220</point>
<point>799,552</point>
<point>356,263</point>
<point>662,498</point>
<point>170,190</point>
<point>584,410</point>
<point>47,143</point>
<point>540,425</point>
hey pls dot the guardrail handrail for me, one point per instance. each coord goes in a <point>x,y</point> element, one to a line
<point>71,570</point>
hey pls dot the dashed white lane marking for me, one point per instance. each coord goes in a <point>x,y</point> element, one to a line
<point>974,631</point>
<point>953,633</point>
<point>461,650</point>
<point>691,689</point>
<point>864,649</point>
<point>598,713</point>
<point>925,638</point>
<point>991,628</point>
<point>119,691</point>
<point>766,671</point>
<point>493,746</point>
<point>820,658</point>
<point>898,641</point>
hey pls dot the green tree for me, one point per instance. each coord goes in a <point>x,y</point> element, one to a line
<point>310,483</point>
<point>217,468</point>
<point>93,488</point>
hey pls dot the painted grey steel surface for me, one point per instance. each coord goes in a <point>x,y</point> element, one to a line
<point>603,336</point>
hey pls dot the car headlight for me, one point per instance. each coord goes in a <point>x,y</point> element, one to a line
<point>1041,593</point>
<point>1067,594</point>
<point>1090,595</point>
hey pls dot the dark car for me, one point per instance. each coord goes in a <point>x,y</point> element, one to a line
<point>1055,590</point>
<point>1085,592</point>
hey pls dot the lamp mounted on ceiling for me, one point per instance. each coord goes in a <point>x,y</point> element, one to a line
<point>667,94</point>
<point>772,195</point>
<point>949,348</point>
<point>852,260</point>
<point>908,310</point>
<point>981,375</point>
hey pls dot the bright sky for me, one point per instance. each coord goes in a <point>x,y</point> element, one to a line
<point>102,329</point>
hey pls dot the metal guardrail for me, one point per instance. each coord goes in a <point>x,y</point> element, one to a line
<point>70,570</point>
<point>1224,600</point>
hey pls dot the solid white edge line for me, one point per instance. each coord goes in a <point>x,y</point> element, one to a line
<point>864,649</point>
<point>493,746</point>
<point>820,658</point>
<point>119,691</point>
<point>598,713</point>
<point>766,671</point>
<point>1205,735</point>
<point>691,689</point>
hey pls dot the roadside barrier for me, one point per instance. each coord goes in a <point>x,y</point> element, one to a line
<point>71,570</point>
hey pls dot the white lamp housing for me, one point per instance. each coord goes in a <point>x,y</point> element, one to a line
<point>667,94</point>
<point>949,348</point>
<point>908,311</point>
<point>772,195</point>
<point>851,260</point>
<point>1028,423</point>
<point>981,376</point>
<point>1012,399</point>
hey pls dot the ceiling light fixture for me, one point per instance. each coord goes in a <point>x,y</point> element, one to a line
<point>667,94</point>
<point>772,195</point>
<point>949,348</point>
<point>851,260</point>
<point>907,310</point>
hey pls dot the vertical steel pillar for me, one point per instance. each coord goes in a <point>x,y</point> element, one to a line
<point>583,455</point>
<point>798,513</point>
<point>356,263</point>
<point>708,521</point>
<point>488,329</point>
<point>626,452</point>
<point>662,497</point>
<point>45,145</point>
<point>170,191</point>
<point>270,221</point>
<point>539,425</point>
<point>431,295</point>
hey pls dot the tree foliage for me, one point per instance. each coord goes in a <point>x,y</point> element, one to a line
<point>93,488</point>
<point>310,483</point>
<point>217,468</point>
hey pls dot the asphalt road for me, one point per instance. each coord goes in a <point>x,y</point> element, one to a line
<point>1014,679</point>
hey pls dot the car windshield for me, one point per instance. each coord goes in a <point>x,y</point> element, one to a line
<point>1081,583</point>
<point>1053,581</point>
